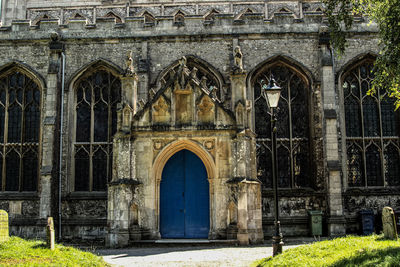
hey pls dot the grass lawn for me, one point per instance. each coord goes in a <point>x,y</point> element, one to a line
<point>371,250</point>
<point>20,252</point>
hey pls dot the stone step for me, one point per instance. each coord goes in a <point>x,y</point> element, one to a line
<point>180,242</point>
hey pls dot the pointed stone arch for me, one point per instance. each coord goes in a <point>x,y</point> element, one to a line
<point>353,62</point>
<point>93,66</point>
<point>111,83</point>
<point>23,157</point>
<point>78,16</point>
<point>210,15</point>
<point>283,11</point>
<point>148,17</point>
<point>170,150</point>
<point>111,14</point>
<point>296,81</point>
<point>176,146</point>
<point>200,64</point>
<point>40,18</point>
<point>246,11</point>
<point>179,18</point>
<point>291,63</point>
<point>26,69</point>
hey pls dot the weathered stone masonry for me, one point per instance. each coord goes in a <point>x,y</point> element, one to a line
<point>220,128</point>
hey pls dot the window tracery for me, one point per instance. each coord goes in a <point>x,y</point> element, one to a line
<point>292,128</point>
<point>372,132</point>
<point>19,132</point>
<point>97,96</point>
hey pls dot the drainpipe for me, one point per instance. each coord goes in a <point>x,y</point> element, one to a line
<point>61,145</point>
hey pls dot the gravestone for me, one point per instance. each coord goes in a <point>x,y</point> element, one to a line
<point>3,226</point>
<point>50,233</point>
<point>389,223</point>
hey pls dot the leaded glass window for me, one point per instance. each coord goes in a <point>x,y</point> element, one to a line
<point>97,96</point>
<point>372,131</point>
<point>292,128</point>
<point>19,132</point>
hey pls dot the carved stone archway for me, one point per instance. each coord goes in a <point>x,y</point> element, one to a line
<point>166,154</point>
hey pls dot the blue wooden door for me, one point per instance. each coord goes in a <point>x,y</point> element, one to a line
<point>184,197</point>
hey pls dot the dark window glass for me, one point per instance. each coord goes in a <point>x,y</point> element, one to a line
<point>373,166</point>
<point>283,167</point>
<point>29,171</point>
<point>355,173</point>
<point>97,96</point>
<point>353,117</point>
<point>12,171</point>
<point>14,124</point>
<point>264,163</point>
<point>390,118</point>
<point>371,123</point>
<point>101,122</point>
<point>371,117</point>
<point>100,170</point>
<point>20,119</point>
<point>292,128</point>
<point>2,122</point>
<point>392,166</point>
<point>32,122</point>
<point>82,170</point>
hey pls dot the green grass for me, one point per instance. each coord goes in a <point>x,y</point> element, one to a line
<point>347,251</point>
<point>20,252</point>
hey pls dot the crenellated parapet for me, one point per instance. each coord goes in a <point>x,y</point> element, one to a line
<point>165,10</point>
<point>165,27</point>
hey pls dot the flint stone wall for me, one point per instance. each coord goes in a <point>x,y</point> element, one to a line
<point>157,47</point>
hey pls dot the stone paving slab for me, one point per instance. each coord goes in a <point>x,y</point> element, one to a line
<point>179,256</point>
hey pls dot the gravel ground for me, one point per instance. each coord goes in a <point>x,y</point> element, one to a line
<point>177,256</point>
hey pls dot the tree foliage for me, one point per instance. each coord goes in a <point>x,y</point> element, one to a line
<point>386,14</point>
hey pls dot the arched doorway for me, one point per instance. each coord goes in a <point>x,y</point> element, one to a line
<point>184,197</point>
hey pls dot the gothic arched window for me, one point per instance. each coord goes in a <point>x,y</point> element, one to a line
<point>96,98</point>
<point>372,131</point>
<point>292,128</point>
<point>19,132</point>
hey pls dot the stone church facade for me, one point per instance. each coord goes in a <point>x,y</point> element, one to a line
<point>133,120</point>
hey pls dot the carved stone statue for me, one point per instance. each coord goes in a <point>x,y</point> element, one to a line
<point>193,73</point>
<point>203,82</point>
<point>130,70</point>
<point>238,60</point>
<point>183,71</point>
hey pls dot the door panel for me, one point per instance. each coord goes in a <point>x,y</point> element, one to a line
<point>172,204</point>
<point>184,197</point>
<point>196,198</point>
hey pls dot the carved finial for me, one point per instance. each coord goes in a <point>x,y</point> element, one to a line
<point>141,103</point>
<point>238,60</point>
<point>130,70</point>
<point>182,62</point>
<point>152,93</point>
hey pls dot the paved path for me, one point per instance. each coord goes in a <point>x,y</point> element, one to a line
<point>177,256</point>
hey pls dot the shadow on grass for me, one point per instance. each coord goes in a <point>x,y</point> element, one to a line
<point>41,245</point>
<point>383,238</point>
<point>389,257</point>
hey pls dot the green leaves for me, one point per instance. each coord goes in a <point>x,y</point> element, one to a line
<point>386,14</point>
